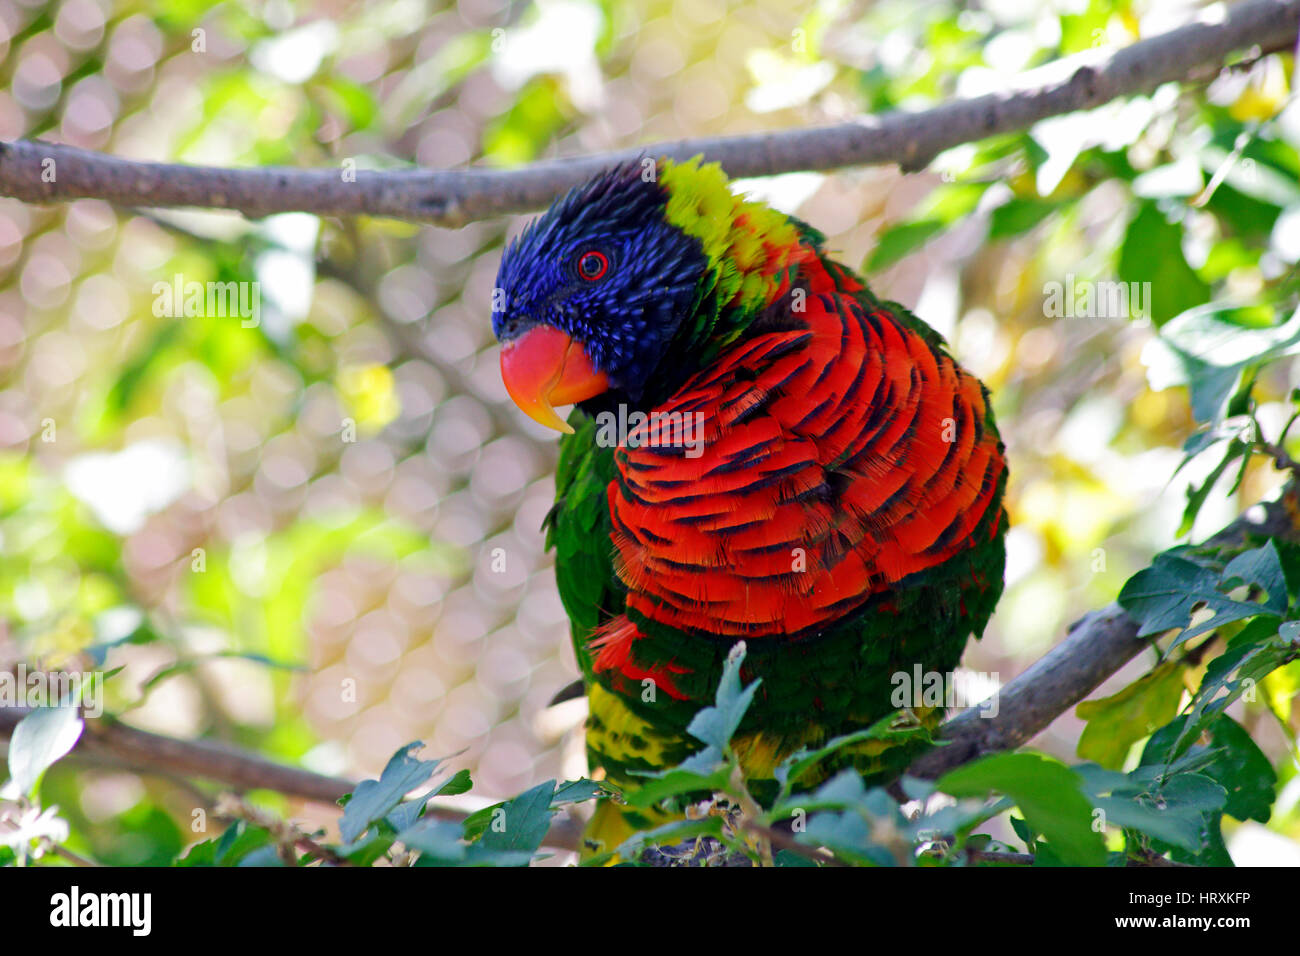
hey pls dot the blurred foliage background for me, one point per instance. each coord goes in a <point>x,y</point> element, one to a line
<point>184,498</point>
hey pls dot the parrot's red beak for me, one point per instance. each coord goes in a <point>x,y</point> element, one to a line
<point>544,368</point>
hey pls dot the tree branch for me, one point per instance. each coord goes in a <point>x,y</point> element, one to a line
<point>116,743</point>
<point>113,743</point>
<point>454,197</point>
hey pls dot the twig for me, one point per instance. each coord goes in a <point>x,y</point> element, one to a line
<point>455,197</point>
<point>1281,459</point>
<point>784,841</point>
<point>1000,856</point>
<point>1151,858</point>
<point>287,836</point>
<point>73,858</point>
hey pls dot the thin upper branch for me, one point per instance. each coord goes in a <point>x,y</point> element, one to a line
<point>44,172</point>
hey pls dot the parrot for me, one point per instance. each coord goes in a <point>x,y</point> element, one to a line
<point>759,450</point>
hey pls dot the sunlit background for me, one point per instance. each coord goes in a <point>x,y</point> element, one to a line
<point>287,535</point>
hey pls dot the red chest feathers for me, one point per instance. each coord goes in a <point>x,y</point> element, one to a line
<point>804,471</point>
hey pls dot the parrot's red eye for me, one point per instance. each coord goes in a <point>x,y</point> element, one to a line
<point>592,265</point>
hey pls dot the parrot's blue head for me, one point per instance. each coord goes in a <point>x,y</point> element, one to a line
<point>590,297</point>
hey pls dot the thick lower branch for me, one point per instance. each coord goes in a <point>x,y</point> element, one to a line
<point>44,172</point>
<point>1098,645</point>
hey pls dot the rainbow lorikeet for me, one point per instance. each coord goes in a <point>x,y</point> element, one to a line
<point>761,451</point>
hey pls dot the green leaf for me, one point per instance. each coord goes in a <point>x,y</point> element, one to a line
<point>897,241</point>
<point>375,799</point>
<point>478,821</point>
<point>848,836</point>
<point>869,831</point>
<point>577,791</point>
<point>236,842</point>
<point>200,854</point>
<point>1152,252</point>
<point>1048,793</point>
<point>1018,216</point>
<point>1253,653</point>
<point>519,134</point>
<point>680,781</point>
<point>442,843</point>
<point>354,101</point>
<point>1259,180</point>
<point>367,850</point>
<point>790,858</point>
<point>1282,687</point>
<point>793,768</point>
<point>520,825</point>
<point>1196,494</point>
<point>41,738</point>
<point>945,205</point>
<point>1237,764</point>
<point>1180,830</point>
<point>843,791</point>
<point>1024,831</point>
<point>1210,345</point>
<point>262,856</point>
<point>1261,567</point>
<point>407,813</point>
<point>460,782</point>
<point>1191,797</point>
<point>1131,806</point>
<point>717,724</point>
<point>441,840</point>
<point>958,819</point>
<point>1164,596</point>
<point>1117,722</point>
